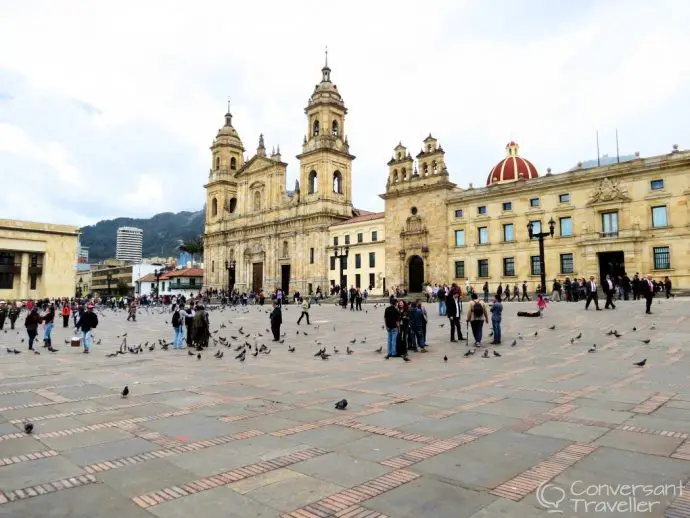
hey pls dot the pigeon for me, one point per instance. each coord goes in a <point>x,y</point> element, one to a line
<point>441,325</point>
<point>305,334</point>
<point>324,356</point>
<point>291,349</point>
<point>29,428</point>
<point>497,354</point>
<point>617,335</point>
<point>125,391</point>
<point>514,343</point>
<point>578,336</point>
<point>335,350</point>
<point>220,355</point>
<point>640,363</point>
<point>217,353</point>
<point>572,341</point>
<point>646,341</point>
<point>152,347</point>
<point>592,349</point>
<point>552,327</point>
<point>37,352</point>
<point>379,350</point>
<point>348,350</point>
<point>486,353</point>
<point>281,341</point>
<point>190,352</point>
<point>469,353</point>
<point>16,351</point>
<point>198,356</point>
<point>239,347</point>
<point>634,329</point>
<point>112,355</point>
<point>319,352</point>
<point>353,340</point>
<point>536,333</point>
<point>267,351</point>
<point>255,353</point>
<point>445,358</point>
<point>341,405</point>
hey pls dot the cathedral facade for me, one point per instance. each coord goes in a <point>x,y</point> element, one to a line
<point>259,235</point>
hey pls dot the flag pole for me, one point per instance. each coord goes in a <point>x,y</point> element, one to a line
<point>598,159</point>
<point>618,156</point>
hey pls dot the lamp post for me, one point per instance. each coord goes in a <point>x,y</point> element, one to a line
<point>341,253</point>
<point>230,267</point>
<point>109,279</point>
<point>157,274</point>
<point>541,236</point>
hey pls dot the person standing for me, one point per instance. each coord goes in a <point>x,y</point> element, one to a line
<point>358,300</point>
<point>3,313</point>
<point>276,318</point>
<point>609,290</point>
<point>591,290</point>
<point>352,296</point>
<point>132,312</point>
<point>391,319</point>
<point>541,305</point>
<point>647,289</point>
<point>87,322</point>
<point>556,291</point>
<point>305,311</point>
<point>668,286</point>
<point>476,316</point>
<point>499,291</point>
<point>178,329</point>
<point>417,326</point>
<point>188,315</point>
<point>524,292</point>
<point>33,319</point>
<point>441,301</point>
<point>13,314</point>
<point>48,321</point>
<point>637,286</point>
<point>201,327</point>
<point>66,310</point>
<point>454,313</point>
<point>496,317</point>
<point>485,289</point>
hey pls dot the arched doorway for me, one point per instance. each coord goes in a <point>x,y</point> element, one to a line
<point>416,274</point>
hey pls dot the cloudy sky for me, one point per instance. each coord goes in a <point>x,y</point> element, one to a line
<point>107,109</point>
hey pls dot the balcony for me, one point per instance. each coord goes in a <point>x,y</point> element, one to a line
<point>183,286</point>
<point>621,236</point>
<point>11,268</point>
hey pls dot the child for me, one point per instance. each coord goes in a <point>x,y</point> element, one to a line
<point>541,304</point>
<point>496,314</point>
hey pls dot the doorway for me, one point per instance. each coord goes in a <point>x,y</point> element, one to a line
<point>611,263</point>
<point>257,277</point>
<point>416,274</point>
<point>285,278</point>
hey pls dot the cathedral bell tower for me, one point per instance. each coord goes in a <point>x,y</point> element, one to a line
<point>325,161</point>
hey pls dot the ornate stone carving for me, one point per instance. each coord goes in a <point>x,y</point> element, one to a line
<point>608,190</point>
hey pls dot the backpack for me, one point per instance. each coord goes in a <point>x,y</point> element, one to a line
<point>477,309</point>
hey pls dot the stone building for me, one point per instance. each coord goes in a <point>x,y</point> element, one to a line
<point>630,216</point>
<point>358,244</point>
<point>272,236</point>
<point>37,260</point>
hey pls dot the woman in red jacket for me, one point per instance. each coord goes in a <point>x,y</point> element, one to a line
<point>66,310</point>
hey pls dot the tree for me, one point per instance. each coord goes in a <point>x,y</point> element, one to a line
<point>194,247</point>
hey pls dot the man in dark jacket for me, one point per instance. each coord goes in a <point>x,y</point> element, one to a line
<point>454,312</point>
<point>647,288</point>
<point>276,317</point>
<point>87,322</point>
<point>592,295</point>
<point>201,327</point>
<point>417,326</point>
<point>13,314</point>
<point>391,319</point>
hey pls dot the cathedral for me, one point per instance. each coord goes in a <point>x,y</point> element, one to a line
<point>258,234</point>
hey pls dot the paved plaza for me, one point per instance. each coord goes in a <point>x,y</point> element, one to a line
<point>545,426</point>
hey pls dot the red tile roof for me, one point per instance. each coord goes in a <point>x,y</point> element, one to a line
<point>149,277</point>
<point>184,272</point>
<point>369,216</point>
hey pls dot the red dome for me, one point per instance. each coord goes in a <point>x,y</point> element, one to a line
<point>512,167</point>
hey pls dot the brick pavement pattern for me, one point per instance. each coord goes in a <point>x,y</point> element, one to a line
<point>472,437</point>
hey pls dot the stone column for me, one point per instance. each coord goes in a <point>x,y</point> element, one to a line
<point>24,276</point>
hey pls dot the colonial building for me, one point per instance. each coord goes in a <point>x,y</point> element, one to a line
<point>625,217</point>
<point>272,236</point>
<point>37,260</point>
<point>357,253</point>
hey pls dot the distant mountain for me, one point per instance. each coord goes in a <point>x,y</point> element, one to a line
<point>162,234</point>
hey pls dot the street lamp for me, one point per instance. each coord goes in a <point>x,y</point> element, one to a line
<point>341,252</point>
<point>230,267</point>
<point>157,274</point>
<point>109,279</point>
<point>541,236</point>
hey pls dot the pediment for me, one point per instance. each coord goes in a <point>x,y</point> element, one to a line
<point>259,164</point>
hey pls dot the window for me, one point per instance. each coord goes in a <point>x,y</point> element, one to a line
<point>458,213</point>
<point>508,232</point>
<point>459,238</point>
<point>534,202</point>
<point>315,128</point>
<point>567,263</point>
<point>313,182</point>
<point>6,281</point>
<point>334,128</point>
<point>358,280</point>
<point>662,258</point>
<point>335,241</point>
<point>483,235</point>
<point>507,205</point>
<point>217,163</point>
<point>358,260</point>
<point>481,210</point>
<point>564,198</point>
<point>33,260</point>
<point>536,227</point>
<point>257,201</point>
<point>192,281</point>
<point>233,163</point>
<point>311,256</point>
<point>372,259</point>
<point>332,263</point>
<point>347,239</point>
<point>483,268</point>
<point>163,286</point>
<point>566,226</point>
<point>337,182</point>
<point>609,224</point>
<point>233,205</point>
<point>659,217</point>
<point>310,289</point>
<point>7,258</point>
<point>343,261</point>
<point>372,281</point>
<point>214,207</point>
<point>656,185</point>
<point>509,266</point>
<point>213,266</point>
<point>459,269</point>
<point>360,237</point>
<point>286,248</point>
<point>535,265</point>
<point>374,235</point>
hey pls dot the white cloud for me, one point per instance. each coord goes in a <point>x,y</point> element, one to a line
<point>158,74</point>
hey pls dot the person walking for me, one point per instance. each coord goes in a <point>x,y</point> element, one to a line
<point>441,301</point>
<point>591,290</point>
<point>132,312</point>
<point>647,289</point>
<point>609,291</point>
<point>48,321</point>
<point>178,329</point>
<point>454,313</point>
<point>496,317</point>
<point>541,305</point>
<point>524,292</point>
<point>668,286</point>
<point>305,311</point>
<point>391,319</point>
<point>13,314</point>
<point>88,322</point>
<point>476,316</point>
<point>65,312</point>
<point>31,322</point>
<point>276,318</point>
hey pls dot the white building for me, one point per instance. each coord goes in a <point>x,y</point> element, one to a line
<point>185,281</point>
<point>130,241</point>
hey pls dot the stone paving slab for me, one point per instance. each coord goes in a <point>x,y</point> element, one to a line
<point>469,437</point>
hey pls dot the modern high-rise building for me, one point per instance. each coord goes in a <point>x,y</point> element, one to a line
<point>130,241</point>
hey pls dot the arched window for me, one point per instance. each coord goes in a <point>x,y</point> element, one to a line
<point>233,205</point>
<point>429,148</point>
<point>217,163</point>
<point>213,266</point>
<point>233,163</point>
<point>313,182</point>
<point>316,128</point>
<point>425,169</point>
<point>214,207</point>
<point>404,172</point>
<point>399,155</point>
<point>285,248</point>
<point>334,128</point>
<point>434,167</point>
<point>257,201</point>
<point>337,182</point>
<point>395,175</point>
<point>404,175</point>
